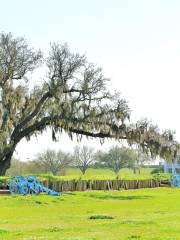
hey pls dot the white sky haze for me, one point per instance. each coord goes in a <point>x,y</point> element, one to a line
<point>137,43</point>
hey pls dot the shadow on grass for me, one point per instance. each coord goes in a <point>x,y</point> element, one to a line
<point>100,216</point>
<point>136,222</point>
<point>50,229</point>
<point>68,193</point>
<point>110,197</point>
<point>54,229</point>
<point>134,237</point>
<point>3,231</point>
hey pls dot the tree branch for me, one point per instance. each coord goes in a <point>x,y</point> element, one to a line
<point>47,121</point>
<point>33,114</point>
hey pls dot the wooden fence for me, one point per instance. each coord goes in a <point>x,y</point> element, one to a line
<point>85,185</point>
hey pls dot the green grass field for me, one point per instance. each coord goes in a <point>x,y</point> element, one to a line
<point>99,174</point>
<point>107,173</point>
<point>95,174</point>
<point>134,214</point>
<point>104,174</point>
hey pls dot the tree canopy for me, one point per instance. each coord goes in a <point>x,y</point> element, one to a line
<point>117,158</point>
<point>73,97</point>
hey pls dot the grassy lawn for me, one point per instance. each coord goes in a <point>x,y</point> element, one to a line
<point>91,173</point>
<point>95,174</point>
<point>136,214</point>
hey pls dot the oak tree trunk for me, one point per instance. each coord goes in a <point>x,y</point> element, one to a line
<point>5,163</point>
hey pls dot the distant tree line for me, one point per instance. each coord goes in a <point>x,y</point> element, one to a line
<point>83,157</point>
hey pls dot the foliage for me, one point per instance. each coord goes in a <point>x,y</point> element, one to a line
<point>159,169</point>
<point>147,214</point>
<point>162,176</point>
<point>117,158</point>
<point>140,159</point>
<point>73,97</point>
<point>23,167</point>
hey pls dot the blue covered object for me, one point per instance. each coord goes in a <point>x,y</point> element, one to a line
<point>175,180</point>
<point>174,169</point>
<point>29,185</point>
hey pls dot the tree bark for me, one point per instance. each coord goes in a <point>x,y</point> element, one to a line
<point>5,162</point>
<point>83,170</point>
<point>4,165</point>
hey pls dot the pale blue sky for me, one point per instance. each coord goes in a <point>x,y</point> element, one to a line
<point>136,42</point>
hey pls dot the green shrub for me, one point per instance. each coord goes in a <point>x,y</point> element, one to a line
<point>162,176</point>
<point>159,169</point>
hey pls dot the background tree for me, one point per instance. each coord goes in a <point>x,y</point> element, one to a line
<point>73,97</point>
<point>83,157</point>
<point>17,167</point>
<point>52,161</point>
<point>116,158</point>
<point>140,159</point>
<point>23,167</point>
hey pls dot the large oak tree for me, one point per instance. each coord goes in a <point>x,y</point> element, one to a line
<point>73,98</point>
